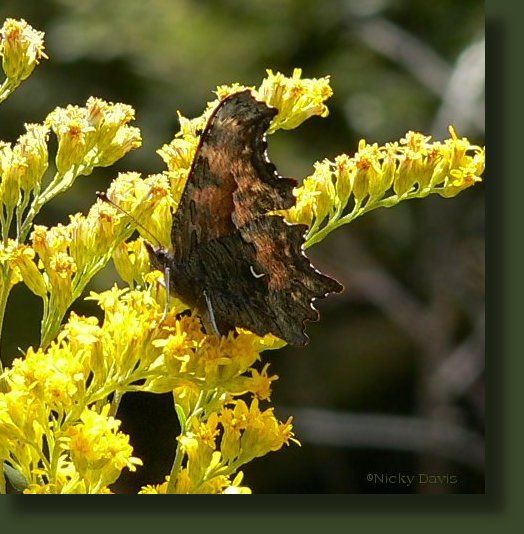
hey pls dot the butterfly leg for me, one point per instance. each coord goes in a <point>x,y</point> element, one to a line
<point>211,313</point>
<point>167,281</point>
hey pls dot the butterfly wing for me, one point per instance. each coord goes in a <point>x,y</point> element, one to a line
<point>229,183</point>
<point>245,267</point>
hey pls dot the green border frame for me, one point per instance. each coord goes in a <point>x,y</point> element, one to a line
<point>500,507</point>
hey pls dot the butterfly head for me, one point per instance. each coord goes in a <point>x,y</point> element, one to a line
<point>160,257</point>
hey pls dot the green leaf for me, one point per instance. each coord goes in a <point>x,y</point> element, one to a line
<point>15,478</point>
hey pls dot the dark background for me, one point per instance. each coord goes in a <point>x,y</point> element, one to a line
<point>392,381</point>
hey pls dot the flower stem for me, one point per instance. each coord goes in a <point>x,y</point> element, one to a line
<point>5,273</point>
<point>115,402</point>
<point>338,221</point>
<point>179,455</point>
<point>7,88</point>
<point>177,464</point>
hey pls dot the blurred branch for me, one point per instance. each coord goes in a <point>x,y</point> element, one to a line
<point>462,102</point>
<point>374,284</point>
<point>446,372</point>
<point>451,376</point>
<point>391,432</point>
<point>458,372</point>
<point>460,88</point>
<point>414,55</point>
<point>381,289</point>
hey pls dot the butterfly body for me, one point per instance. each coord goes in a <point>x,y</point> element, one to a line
<point>234,262</point>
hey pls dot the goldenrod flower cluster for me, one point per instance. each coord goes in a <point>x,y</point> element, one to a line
<point>58,402</point>
<point>339,191</point>
<point>21,49</point>
<point>56,418</point>
<point>60,261</point>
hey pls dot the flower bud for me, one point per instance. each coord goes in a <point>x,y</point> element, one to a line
<point>12,168</point>
<point>22,258</point>
<point>21,48</point>
<point>32,146</point>
<point>75,136</point>
<point>131,261</point>
<point>405,178</point>
<point>127,138</point>
<point>107,118</point>
<point>296,98</point>
<point>345,174</point>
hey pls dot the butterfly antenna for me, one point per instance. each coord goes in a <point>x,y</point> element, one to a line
<point>103,196</point>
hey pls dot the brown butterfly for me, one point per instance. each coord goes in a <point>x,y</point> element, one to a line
<point>233,262</point>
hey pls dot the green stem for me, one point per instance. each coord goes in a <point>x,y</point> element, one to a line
<point>58,184</point>
<point>20,212</point>
<point>54,456</point>
<point>115,402</point>
<point>175,469</point>
<point>2,480</point>
<point>7,88</point>
<point>6,225</point>
<point>51,321</point>
<point>357,211</point>
<point>179,455</point>
<point>5,273</point>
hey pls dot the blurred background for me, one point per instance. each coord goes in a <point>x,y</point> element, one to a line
<point>392,381</point>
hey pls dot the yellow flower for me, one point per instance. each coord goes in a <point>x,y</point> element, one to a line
<point>41,489</point>
<point>305,208</point>
<point>56,376</point>
<point>144,200</point>
<point>49,241</point>
<point>200,457</point>
<point>367,176</point>
<point>69,255</point>
<point>131,260</point>
<point>235,488</point>
<point>75,136</point>
<point>22,259</point>
<point>8,256</point>
<point>127,138</point>
<point>206,431</point>
<point>22,166</point>
<point>32,147</point>
<point>464,170</point>
<point>158,489</point>
<point>81,331</point>
<point>21,48</point>
<point>97,134</point>
<point>12,169</point>
<point>250,432</point>
<point>107,119</point>
<point>223,91</point>
<point>344,171</point>
<point>159,211</point>
<point>99,451</point>
<point>316,196</point>
<point>22,422</point>
<point>460,179</point>
<point>130,326</point>
<point>260,383</point>
<point>178,154</point>
<point>296,98</point>
<point>381,176</point>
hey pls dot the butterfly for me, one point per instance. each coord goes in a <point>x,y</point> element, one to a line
<point>233,261</point>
